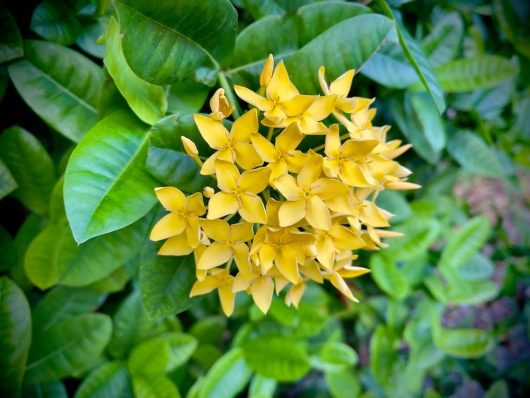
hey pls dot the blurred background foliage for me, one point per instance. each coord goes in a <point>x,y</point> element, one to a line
<point>445,311</point>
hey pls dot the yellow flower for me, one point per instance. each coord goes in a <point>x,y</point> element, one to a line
<point>239,193</point>
<point>220,106</point>
<point>346,271</point>
<point>281,156</point>
<point>306,195</point>
<point>266,73</point>
<point>228,244</point>
<point>278,91</point>
<point>341,88</point>
<point>181,226</point>
<point>231,147</point>
<point>260,287</point>
<point>306,111</point>
<point>221,280</point>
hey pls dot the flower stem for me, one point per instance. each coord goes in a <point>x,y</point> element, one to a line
<point>271,132</point>
<point>229,93</point>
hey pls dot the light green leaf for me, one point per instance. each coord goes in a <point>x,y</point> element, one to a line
<point>68,347</point>
<point>341,381</point>
<point>276,357</point>
<point>15,336</point>
<point>72,80</point>
<point>10,39</point>
<point>57,212</point>
<point>149,358</point>
<point>430,122</point>
<point>181,348</point>
<point>148,101</point>
<point>113,282</point>
<point>418,60</point>
<point>7,182</point>
<point>481,72</point>
<point>62,303</point>
<point>108,380</point>
<point>388,277</point>
<point>329,49</point>
<point>165,282</point>
<point>463,343</point>
<point>443,43</point>
<point>472,153</point>
<point>118,191</point>
<point>166,41</point>
<point>479,267</point>
<point>154,386</point>
<point>209,330</point>
<point>472,292</point>
<point>335,356</point>
<point>227,377</point>
<point>262,387</point>
<point>382,355</point>
<point>30,165</point>
<point>419,234</point>
<point>55,21</point>
<point>390,67</point>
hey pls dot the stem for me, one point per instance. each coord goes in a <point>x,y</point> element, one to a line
<point>319,148</point>
<point>271,132</point>
<point>341,119</point>
<point>229,93</point>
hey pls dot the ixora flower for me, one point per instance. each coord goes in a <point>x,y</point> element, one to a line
<point>280,216</point>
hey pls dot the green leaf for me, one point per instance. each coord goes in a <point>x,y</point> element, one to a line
<point>418,60</point>
<point>68,347</point>
<point>283,35</point>
<point>277,357</point>
<point>148,101</point>
<point>481,72</point>
<point>261,8</point>
<point>463,343</point>
<point>341,381</point>
<point>91,31</point>
<point>390,67</point>
<point>430,122</point>
<point>335,356</point>
<point>262,387</point>
<point>463,244</point>
<point>15,336</point>
<point>155,386</point>
<point>166,41</point>
<point>443,43</point>
<point>118,191</point>
<point>7,182</point>
<point>209,330</point>
<point>30,165</point>
<point>329,49</point>
<point>181,347</point>
<point>55,21</point>
<point>113,282</point>
<point>108,380</point>
<point>149,358</point>
<point>478,267</point>
<point>186,97</point>
<point>227,377</point>
<point>472,292</point>
<point>388,277</point>
<point>72,80</point>
<point>499,389</point>
<point>474,155</point>
<point>165,282</point>
<point>8,251</point>
<point>419,234</point>
<point>63,303</point>
<point>382,355</point>
<point>131,325</point>
<point>10,39</point>
<point>54,389</point>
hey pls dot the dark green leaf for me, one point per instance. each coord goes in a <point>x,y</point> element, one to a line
<point>56,21</point>
<point>499,389</point>
<point>8,251</point>
<point>186,97</point>
<point>382,355</point>
<point>73,81</point>
<point>118,191</point>
<point>108,380</point>
<point>166,41</point>
<point>227,377</point>
<point>15,336</point>
<point>54,389</point>
<point>30,165</point>
<point>276,357</point>
<point>148,101</point>
<point>10,39</point>
<point>90,32</point>
<point>209,330</point>
<point>68,347</point>
<point>443,43</point>
<point>7,182</point>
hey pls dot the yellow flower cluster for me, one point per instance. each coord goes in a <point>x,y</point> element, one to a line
<point>281,215</point>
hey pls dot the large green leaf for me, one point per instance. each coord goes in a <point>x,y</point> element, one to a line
<point>68,347</point>
<point>106,186</point>
<point>50,71</point>
<point>474,155</point>
<point>56,21</point>
<point>262,387</point>
<point>335,49</point>
<point>227,377</point>
<point>10,39</point>
<point>154,386</point>
<point>165,282</point>
<point>463,343</point>
<point>283,35</point>
<point>341,381</point>
<point>15,336</point>
<point>388,276</point>
<point>149,102</point>
<point>131,325</point>
<point>277,357</point>
<point>382,355</point>
<point>108,380</point>
<point>62,303</point>
<point>443,43</point>
<point>165,41</point>
<point>418,60</point>
<point>30,165</point>
<point>7,182</point>
<point>186,97</point>
<point>149,358</point>
<point>334,357</point>
<point>481,72</point>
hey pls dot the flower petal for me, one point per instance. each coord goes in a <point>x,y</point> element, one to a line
<point>287,186</point>
<point>292,212</point>
<point>289,138</point>
<point>310,172</point>
<point>327,188</point>
<point>294,294</point>
<point>193,231</point>
<point>358,147</point>
<point>242,259</point>
<point>252,209</point>
<point>280,86</point>
<point>249,96</point>
<point>286,263</point>
<point>321,107</point>
<point>244,126</point>
<point>227,175</point>
<point>262,291</point>
<point>333,142</point>
<point>196,204</point>
<point>176,246</point>
<point>227,298</point>
<point>241,232</point>
<point>255,181</point>
<point>222,204</point>
<point>171,198</point>
<point>168,226</point>
<point>317,214</point>
<point>218,230</point>
<point>247,156</point>
<point>339,283</point>
<point>341,86</point>
<point>213,131</point>
<point>207,285</point>
<point>264,147</point>
<point>298,105</point>
<point>214,255</point>
<point>326,253</point>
